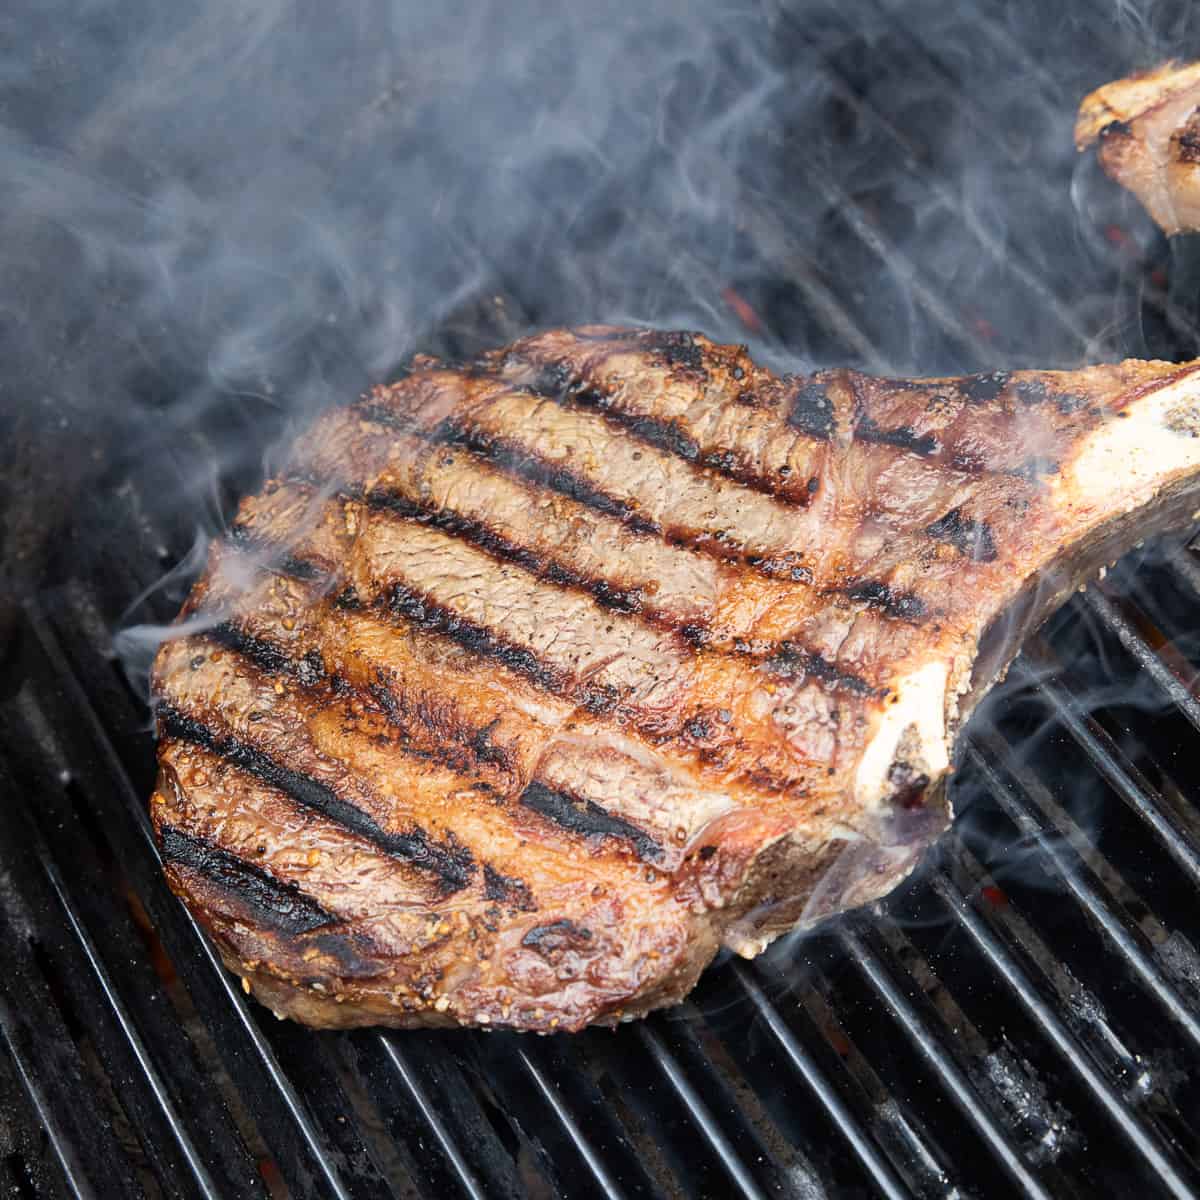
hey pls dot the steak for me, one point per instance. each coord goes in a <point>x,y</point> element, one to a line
<point>526,686</point>
<point>1148,130</point>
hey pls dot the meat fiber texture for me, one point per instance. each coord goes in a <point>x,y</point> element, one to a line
<point>1148,131</point>
<point>529,684</point>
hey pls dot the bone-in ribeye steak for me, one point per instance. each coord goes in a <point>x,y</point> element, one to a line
<point>527,685</point>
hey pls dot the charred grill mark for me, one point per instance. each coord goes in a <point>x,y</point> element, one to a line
<point>276,903</point>
<point>791,661</point>
<point>451,864</point>
<point>727,463</point>
<point>487,751</point>
<point>588,819</point>
<point>380,414</point>
<point>460,747</point>
<point>516,460</point>
<point>654,431</point>
<point>242,537</point>
<point>969,537</point>
<point>694,635</point>
<point>302,570</point>
<point>343,948</point>
<point>432,617</point>
<point>983,389</point>
<point>268,656</point>
<point>551,940</point>
<point>627,600</point>
<point>557,382</point>
<point>780,566</point>
<point>453,744</point>
<point>677,349</point>
<point>902,436</point>
<point>519,461</point>
<point>1034,392</point>
<point>507,889</point>
<point>1187,140</point>
<point>877,594</point>
<point>787,566</point>
<point>812,412</point>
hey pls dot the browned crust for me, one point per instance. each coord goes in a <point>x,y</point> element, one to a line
<point>431,758</point>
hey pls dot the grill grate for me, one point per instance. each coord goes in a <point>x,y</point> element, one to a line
<point>1022,1018</point>
<point>779,1076</point>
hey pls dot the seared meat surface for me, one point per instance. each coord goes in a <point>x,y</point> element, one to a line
<point>1148,130</point>
<point>527,685</point>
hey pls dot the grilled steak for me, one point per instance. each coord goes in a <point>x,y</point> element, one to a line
<point>1148,130</point>
<point>526,686</point>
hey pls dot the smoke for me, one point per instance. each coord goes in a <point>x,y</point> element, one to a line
<point>216,218</point>
<point>280,200</point>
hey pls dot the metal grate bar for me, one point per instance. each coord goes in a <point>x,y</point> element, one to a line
<point>1014,976</point>
<point>706,1060</point>
<point>1109,1033</point>
<point>342,1140</point>
<point>402,1117</point>
<point>443,1066</point>
<point>1143,653</point>
<point>999,251</point>
<point>918,54</point>
<point>250,1058</point>
<point>553,1096</point>
<point>700,1114</point>
<point>80,1139</point>
<point>1114,929</point>
<point>147,1072</point>
<point>1183,562</point>
<point>965,1097</point>
<point>1028,66</point>
<point>50,1069</point>
<point>822,1017</point>
<point>319,1074</point>
<point>28,1166</point>
<point>575,1132</point>
<point>464,1176</point>
<point>780,246</point>
<point>129,1019</point>
<point>882,247</point>
<point>1124,778</point>
<point>878,1169</point>
<point>1179,321</point>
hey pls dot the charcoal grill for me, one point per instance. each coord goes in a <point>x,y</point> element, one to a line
<point>1021,1018</point>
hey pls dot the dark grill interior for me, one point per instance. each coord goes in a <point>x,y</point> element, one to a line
<point>1022,1018</point>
